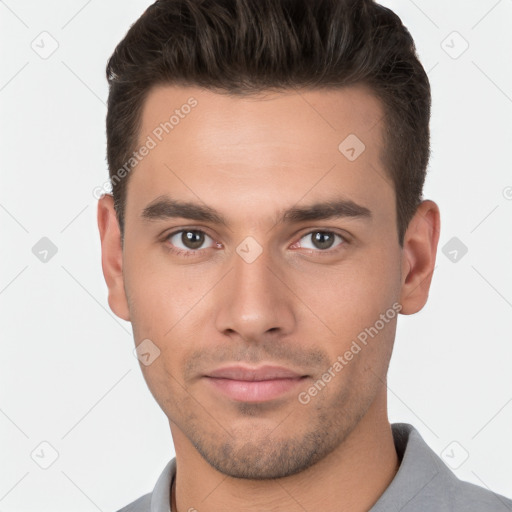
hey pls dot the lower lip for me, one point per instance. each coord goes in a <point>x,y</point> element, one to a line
<point>255,391</point>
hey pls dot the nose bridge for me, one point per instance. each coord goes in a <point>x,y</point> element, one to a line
<point>254,300</point>
<point>252,279</point>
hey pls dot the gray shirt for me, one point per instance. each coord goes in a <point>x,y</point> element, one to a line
<point>423,483</point>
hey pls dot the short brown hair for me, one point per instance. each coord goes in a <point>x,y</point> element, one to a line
<point>241,47</point>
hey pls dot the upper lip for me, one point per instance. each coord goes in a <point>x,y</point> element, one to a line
<point>266,372</point>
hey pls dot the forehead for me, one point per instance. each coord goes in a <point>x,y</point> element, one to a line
<point>284,115</point>
<point>277,146</point>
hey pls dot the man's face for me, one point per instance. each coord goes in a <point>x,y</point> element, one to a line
<point>259,289</point>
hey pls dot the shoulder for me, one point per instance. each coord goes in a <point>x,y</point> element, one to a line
<point>446,494</point>
<point>142,504</point>
<point>425,483</point>
<point>454,494</point>
<point>473,498</point>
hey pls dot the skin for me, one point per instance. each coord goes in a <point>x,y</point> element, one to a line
<point>297,304</point>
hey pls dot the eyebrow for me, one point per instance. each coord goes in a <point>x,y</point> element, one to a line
<point>164,207</point>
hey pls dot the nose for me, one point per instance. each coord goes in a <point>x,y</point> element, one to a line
<point>255,300</point>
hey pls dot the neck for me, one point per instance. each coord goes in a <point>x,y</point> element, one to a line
<point>351,478</point>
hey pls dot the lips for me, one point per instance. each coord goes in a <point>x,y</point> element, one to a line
<point>245,384</point>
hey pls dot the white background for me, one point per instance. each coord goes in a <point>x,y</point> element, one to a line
<point>67,372</point>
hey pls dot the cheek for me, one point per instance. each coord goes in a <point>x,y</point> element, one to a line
<point>356,294</point>
<point>351,304</point>
<point>162,303</point>
<point>160,294</point>
<point>164,381</point>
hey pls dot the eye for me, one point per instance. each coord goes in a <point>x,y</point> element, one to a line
<point>320,240</point>
<point>187,240</point>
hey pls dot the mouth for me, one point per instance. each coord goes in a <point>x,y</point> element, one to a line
<point>245,384</point>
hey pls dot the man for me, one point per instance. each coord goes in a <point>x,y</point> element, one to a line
<point>266,227</point>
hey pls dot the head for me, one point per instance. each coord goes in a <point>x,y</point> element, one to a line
<point>267,161</point>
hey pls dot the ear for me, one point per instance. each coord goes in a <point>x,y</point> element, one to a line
<point>419,257</point>
<point>112,256</point>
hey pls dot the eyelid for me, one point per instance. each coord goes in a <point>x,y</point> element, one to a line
<point>173,231</point>
<point>315,229</point>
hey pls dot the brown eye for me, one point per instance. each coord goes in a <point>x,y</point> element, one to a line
<point>188,239</point>
<point>320,240</point>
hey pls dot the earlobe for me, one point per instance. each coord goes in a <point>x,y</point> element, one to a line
<point>419,257</point>
<point>112,256</point>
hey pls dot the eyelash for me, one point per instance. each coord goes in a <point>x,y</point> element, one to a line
<point>195,252</point>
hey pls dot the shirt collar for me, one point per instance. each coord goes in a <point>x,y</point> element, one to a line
<point>419,465</point>
<point>161,496</point>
